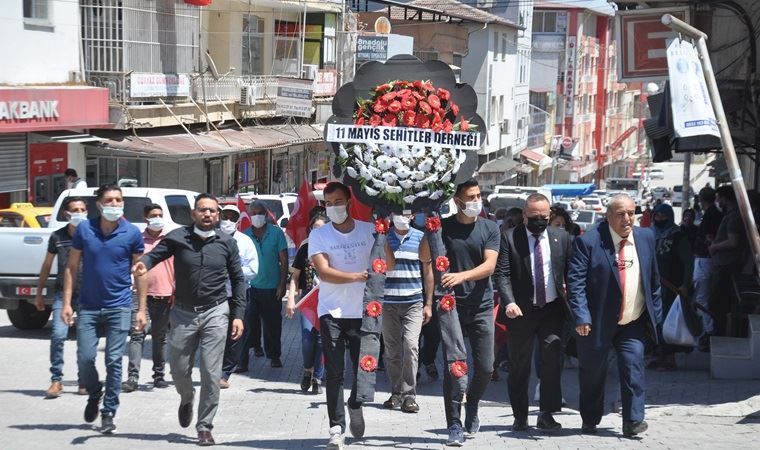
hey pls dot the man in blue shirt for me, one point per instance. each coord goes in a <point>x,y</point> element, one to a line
<point>107,246</point>
<point>267,289</point>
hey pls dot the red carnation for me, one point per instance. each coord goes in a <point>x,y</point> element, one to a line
<point>368,363</point>
<point>374,308</point>
<point>382,225</point>
<point>375,120</point>
<point>379,266</point>
<point>422,121</point>
<point>436,125</point>
<point>447,303</point>
<point>379,106</point>
<point>409,118</point>
<point>442,263</point>
<point>455,109</point>
<point>417,95</point>
<point>389,97</point>
<point>448,127</point>
<point>458,369</point>
<point>434,101</point>
<point>444,94</point>
<point>394,107</point>
<point>408,103</point>
<point>424,107</point>
<point>403,92</point>
<point>417,84</point>
<point>390,120</point>
<point>360,121</point>
<point>464,125</point>
<point>383,87</point>
<point>433,224</point>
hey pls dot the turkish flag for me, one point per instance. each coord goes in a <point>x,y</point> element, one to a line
<point>245,220</point>
<point>359,210</point>
<point>308,307</point>
<point>298,223</point>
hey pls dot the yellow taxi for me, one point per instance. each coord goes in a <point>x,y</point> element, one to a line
<point>25,215</point>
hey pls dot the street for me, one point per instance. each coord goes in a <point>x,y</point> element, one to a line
<point>685,409</point>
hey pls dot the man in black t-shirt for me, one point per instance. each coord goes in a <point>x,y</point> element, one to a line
<point>708,228</point>
<point>59,245</point>
<point>472,247</point>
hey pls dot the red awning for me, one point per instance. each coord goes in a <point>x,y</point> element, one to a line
<point>532,156</point>
<point>198,2</point>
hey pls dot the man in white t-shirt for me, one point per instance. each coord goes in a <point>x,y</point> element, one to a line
<point>340,252</point>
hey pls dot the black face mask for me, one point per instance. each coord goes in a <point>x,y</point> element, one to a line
<point>660,223</point>
<point>537,225</point>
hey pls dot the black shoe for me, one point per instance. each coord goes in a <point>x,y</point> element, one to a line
<point>185,414</point>
<point>431,371</point>
<point>631,429</point>
<point>276,362</point>
<point>588,429</point>
<point>520,425</point>
<point>160,383</point>
<point>91,410</point>
<point>130,385</point>
<point>258,351</point>
<point>316,386</point>
<point>241,369</point>
<point>106,423</point>
<point>471,424</point>
<point>392,403</point>
<point>410,406</point>
<point>306,381</point>
<point>546,422</point>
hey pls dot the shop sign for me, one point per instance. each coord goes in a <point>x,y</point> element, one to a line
<point>144,85</point>
<point>294,97</point>
<point>40,109</point>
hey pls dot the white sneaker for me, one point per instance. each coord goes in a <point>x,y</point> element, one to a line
<point>537,395</point>
<point>336,439</point>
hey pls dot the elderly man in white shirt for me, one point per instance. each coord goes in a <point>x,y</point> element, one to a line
<point>249,261</point>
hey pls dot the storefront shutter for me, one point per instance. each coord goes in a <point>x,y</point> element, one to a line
<point>13,162</point>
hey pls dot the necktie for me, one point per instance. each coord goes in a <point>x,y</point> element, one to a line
<point>621,271</point>
<point>538,272</point>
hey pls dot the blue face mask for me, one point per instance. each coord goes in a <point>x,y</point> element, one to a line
<point>419,219</point>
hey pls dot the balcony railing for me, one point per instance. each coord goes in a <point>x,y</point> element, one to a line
<point>261,87</point>
<point>539,123</point>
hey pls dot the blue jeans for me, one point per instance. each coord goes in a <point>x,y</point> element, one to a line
<point>115,323</point>
<point>311,348</point>
<point>58,337</point>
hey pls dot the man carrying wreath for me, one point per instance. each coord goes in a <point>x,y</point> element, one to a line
<point>472,248</point>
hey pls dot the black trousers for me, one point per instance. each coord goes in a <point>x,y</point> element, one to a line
<point>269,309</point>
<point>477,325</point>
<point>722,299</point>
<point>336,334</point>
<point>545,324</point>
<point>231,353</point>
<point>430,340</point>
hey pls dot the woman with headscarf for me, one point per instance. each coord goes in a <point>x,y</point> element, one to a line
<point>675,261</point>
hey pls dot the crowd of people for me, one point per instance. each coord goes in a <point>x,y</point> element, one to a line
<point>208,289</point>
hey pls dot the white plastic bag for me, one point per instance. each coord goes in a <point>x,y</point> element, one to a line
<point>674,329</point>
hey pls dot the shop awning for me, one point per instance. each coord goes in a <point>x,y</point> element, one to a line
<point>570,190</point>
<point>499,165</point>
<point>541,161</point>
<point>177,144</point>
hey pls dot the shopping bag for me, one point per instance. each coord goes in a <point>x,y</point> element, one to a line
<point>674,329</point>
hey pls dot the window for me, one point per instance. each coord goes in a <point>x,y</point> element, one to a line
<point>426,55</point>
<point>495,45</point>
<point>503,47</point>
<point>329,50</point>
<point>179,209</point>
<point>501,109</point>
<point>253,45</point>
<point>549,22</point>
<point>11,220</point>
<point>494,111</point>
<point>36,9</point>
<point>457,61</point>
<point>287,47</point>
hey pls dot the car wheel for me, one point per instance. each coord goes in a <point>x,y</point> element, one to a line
<point>26,316</point>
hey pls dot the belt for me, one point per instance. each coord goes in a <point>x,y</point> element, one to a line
<point>201,308</point>
<point>159,297</point>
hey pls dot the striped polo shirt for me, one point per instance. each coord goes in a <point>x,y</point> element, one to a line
<point>404,283</point>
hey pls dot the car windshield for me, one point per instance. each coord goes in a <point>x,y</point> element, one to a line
<point>584,217</point>
<point>506,203</point>
<point>133,209</point>
<point>273,205</point>
<point>43,220</point>
<point>677,188</point>
<point>592,201</point>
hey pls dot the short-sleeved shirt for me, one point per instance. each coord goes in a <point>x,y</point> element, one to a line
<point>403,284</point>
<point>303,264</point>
<point>59,245</point>
<point>268,247</point>
<point>347,252</point>
<point>731,224</point>
<point>709,226</point>
<point>107,263</point>
<point>465,246</point>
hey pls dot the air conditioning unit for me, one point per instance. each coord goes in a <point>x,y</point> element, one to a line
<point>505,126</point>
<point>310,71</point>
<point>520,124</point>
<point>249,94</point>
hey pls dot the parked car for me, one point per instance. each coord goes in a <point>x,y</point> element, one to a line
<point>280,205</point>
<point>25,215</point>
<point>659,193</point>
<point>586,219</point>
<point>656,173</point>
<point>594,203</point>
<point>19,274</point>
<point>677,197</point>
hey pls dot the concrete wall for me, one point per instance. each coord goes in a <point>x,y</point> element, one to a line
<point>36,52</point>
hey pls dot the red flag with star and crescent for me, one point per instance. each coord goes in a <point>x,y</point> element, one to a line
<point>298,223</point>
<point>245,220</point>
<point>308,307</point>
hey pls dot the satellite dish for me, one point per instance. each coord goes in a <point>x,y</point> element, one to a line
<point>211,66</point>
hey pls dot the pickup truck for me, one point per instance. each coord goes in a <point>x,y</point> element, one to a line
<point>24,249</point>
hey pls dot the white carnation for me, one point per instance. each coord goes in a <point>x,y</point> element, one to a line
<point>435,150</point>
<point>446,177</point>
<point>441,164</point>
<point>409,199</point>
<point>406,184</point>
<point>426,165</point>
<point>419,185</point>
<point>342,153</point>
<point>418,151</point>
<point>374,171</point>
<point>357,151</point>
<point>393,189</point>
<point>383,162</point>
<point>390,178</point>
<point>436,195</point>
<point>423,194</point>
<point>418,175</point>
<point>351,172</point>
<point>379,184</point>
<point>365,173</point>
<point>403,172</point>
<point>369,191</point>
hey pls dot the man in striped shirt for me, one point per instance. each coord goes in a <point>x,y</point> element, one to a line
<point>403,309</point>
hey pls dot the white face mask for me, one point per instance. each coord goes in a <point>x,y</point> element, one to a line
<point>401,222</point>
<point>77,218</point>
<point>228,226</point>
<point>472,209</point>
<point>337,214</point>
<point>112,213</point>
<point>258,220</point>
<point>203,234</point>
<point>156,223</point>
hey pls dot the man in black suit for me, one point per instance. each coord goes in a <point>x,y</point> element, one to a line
<point>530,277</point>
